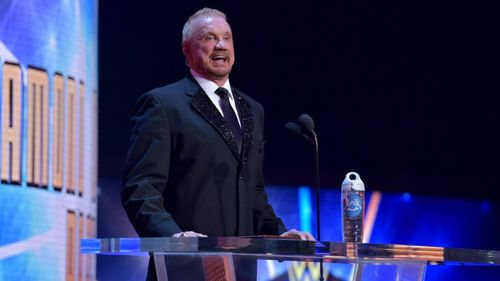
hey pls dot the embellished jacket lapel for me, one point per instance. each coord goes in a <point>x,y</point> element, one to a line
<point>246,119</point>
<point>202,103</point>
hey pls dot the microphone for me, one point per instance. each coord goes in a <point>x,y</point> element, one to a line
<point>306,122</point>
<point>295,130</point>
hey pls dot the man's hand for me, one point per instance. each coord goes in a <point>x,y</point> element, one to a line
<point>297,234</point>
<point>189,234</point>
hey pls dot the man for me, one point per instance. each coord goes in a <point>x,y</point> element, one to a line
<point>194,165</point>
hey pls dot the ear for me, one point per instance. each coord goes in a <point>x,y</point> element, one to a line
<point>186,50</point>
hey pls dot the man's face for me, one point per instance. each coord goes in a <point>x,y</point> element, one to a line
<point>210,50</point>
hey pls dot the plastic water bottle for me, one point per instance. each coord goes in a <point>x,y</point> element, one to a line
<point>353,208</point>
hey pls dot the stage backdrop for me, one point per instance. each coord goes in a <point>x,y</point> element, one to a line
<point>48,130</point>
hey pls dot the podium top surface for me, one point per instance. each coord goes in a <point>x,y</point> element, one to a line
<point>287,249</point>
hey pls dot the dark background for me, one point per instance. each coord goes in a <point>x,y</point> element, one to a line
<point>406,92</point>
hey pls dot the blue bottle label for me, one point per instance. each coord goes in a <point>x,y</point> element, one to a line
<point>353,207</point>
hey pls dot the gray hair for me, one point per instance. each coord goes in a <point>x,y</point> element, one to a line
<point>187,30</point>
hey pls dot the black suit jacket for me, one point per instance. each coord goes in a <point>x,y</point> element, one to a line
<point>184,170</point>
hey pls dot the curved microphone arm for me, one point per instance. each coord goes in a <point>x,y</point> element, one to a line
<point>316,170</point>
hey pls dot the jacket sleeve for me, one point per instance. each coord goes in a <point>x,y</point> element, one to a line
<point>265,220</point>
<point>147,168</point>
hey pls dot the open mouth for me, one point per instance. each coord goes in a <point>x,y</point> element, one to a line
<point>219,58</point>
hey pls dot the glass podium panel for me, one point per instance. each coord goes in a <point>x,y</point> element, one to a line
<point>235,258</point>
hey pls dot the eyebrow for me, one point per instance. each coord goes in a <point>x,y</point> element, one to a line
<point>205,33</point>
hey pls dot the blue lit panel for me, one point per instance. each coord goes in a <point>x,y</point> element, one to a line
<point>48,134</point>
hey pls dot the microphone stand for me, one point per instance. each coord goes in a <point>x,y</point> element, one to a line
<point>318,211</point>
<point>316,183</point>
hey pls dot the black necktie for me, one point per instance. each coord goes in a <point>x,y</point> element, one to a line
<point>230,115</point>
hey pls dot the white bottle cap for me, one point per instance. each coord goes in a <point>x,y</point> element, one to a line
<point>353,181</point>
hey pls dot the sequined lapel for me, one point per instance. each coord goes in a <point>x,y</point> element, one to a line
<point>202,103</point>
<point>246,119</point>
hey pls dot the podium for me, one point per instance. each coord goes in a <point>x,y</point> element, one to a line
<point>225,258</point>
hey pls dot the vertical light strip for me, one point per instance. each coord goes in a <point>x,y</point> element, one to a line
<point>305,209</point>
<point>271,270</point>
<point>371,215</point>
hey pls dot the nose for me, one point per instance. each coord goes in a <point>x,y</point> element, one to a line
<point>220,44</point>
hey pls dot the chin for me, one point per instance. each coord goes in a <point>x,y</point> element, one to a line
<point>220,74</point>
